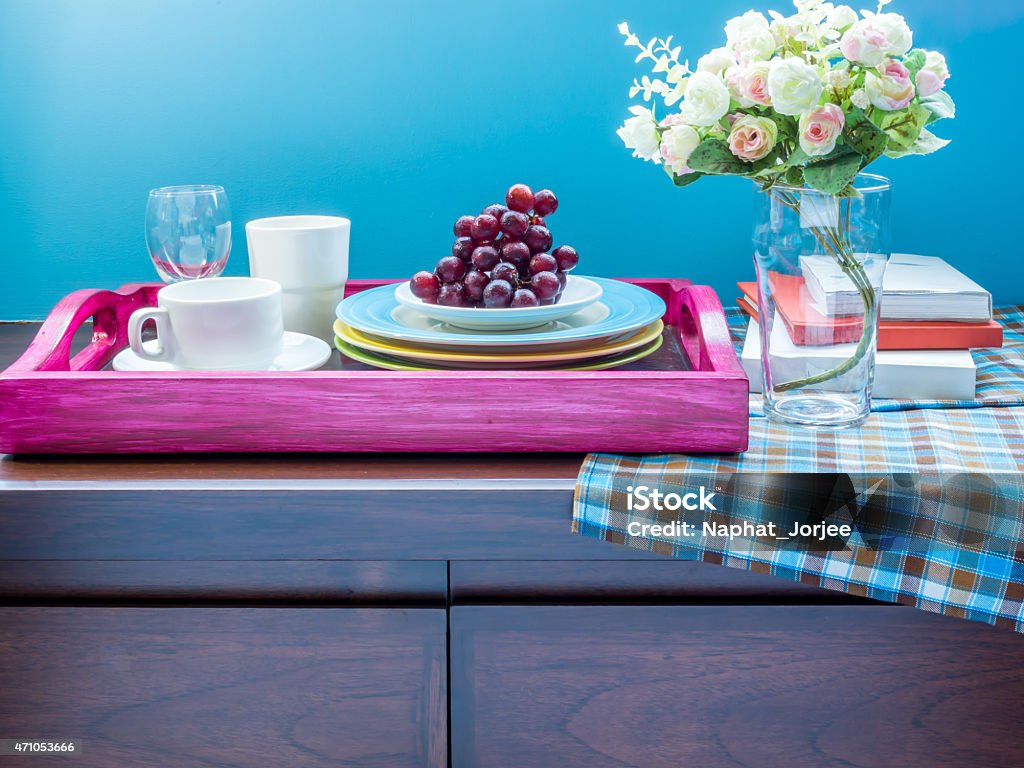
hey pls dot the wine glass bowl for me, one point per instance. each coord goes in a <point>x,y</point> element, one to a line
<point>188,231</point>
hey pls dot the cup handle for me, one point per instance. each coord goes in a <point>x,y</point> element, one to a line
<point>164,335</point>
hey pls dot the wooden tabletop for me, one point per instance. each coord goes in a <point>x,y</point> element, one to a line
<point>555,470</point>
<point>543,470</point>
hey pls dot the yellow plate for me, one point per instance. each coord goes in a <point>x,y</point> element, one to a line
<point>396,364</point>
<point>600,348</point>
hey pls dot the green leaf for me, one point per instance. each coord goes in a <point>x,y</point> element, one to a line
<point>940,105</point>
<point>788,126</point>
<point>796,157</point>
<point>850,191</point>
<point>903,126</point>
<point>914,61</point>
<point>713,156</point>
<point>926,143</point>
<point>835,175</point>
<point>795,176</point>
<point>685,180</point>
<point>838,150</point>
<point>864,136</point>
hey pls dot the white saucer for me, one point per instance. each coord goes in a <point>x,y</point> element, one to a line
<point>299,352</point>
<point>579,294</point>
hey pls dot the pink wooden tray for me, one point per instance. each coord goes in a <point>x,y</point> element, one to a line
<point>691,396</point>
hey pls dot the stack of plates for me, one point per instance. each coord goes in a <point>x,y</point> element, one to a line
<point>598,324</point>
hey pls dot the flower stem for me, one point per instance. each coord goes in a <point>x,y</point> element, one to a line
<point>836,242</point>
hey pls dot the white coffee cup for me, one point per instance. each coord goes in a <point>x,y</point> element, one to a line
<point>308,256</point>
<point>213,324</point>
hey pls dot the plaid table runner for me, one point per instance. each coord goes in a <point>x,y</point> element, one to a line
<point>1000,378</point>
<point>933,492</point>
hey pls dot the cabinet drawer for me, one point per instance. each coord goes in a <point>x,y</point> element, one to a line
<point>247,519</point>
<point>275,582</point>
<point>191,687</point>
<point>625,581</point>
<point>652,686</point>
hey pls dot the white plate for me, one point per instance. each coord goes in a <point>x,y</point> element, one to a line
<point>623,307</point>
<point>579,293</point>
<point>299,352</point>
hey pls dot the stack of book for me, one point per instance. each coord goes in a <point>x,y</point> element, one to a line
<point>931,315</point>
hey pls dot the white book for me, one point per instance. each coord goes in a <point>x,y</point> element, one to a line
<point>934,374</point>
<point>914,288</point>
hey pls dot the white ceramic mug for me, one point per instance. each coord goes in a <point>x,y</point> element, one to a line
<point>308,256</point>
<point>213,324</point>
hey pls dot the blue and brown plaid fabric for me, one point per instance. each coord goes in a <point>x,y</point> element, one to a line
<point>1000,379</point>
<point>962,552</point>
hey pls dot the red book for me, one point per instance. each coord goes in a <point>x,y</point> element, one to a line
<point>809,327</point>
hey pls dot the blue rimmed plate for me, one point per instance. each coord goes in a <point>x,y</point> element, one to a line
<point>623,307</point>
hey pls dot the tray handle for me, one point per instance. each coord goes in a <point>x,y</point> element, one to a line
<point>705,331</point>
<point>50,350</point>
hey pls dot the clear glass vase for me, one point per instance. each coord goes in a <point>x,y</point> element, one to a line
<point>820,261</point>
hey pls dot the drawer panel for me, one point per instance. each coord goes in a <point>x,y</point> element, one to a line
<point>200,687</point>
<point>626,581</point>
<point>321,582</point>
<point>375,521</point>
<point>651,686</point>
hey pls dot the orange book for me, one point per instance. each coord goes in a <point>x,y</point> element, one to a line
<point>809,327</point>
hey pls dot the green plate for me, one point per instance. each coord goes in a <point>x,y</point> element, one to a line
<point>398,364</point>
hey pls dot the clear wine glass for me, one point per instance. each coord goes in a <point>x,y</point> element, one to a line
<point>188,231</point>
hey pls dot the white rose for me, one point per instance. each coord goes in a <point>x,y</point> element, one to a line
<point>749,37</point>
<point>716,61</point>
<point>750,23</point>
<point>706,100</point>
<point>841,17</point>
<point>933,75</point>
<point>794,86</point>
<point>677,144</point>
<point>640,134</point>
<point>760,48</point>
<point>896,31</point>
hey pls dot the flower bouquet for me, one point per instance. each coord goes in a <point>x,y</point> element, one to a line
<point>801,105</point>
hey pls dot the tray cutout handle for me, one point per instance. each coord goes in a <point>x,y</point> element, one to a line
<point>50,350</point>
<point>705,332</point>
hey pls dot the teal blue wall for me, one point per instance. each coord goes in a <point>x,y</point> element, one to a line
<point>403,114</point>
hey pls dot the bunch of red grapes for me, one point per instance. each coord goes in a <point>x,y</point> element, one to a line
<point>501,258</point>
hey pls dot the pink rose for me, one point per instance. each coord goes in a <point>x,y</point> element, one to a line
<point>933,75</point>
<point>820,128</point>
<point>889,87</point>
<point>752,138</point>
<point>864,43</point>
<point>750,84</point>
<point>677,143</point>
